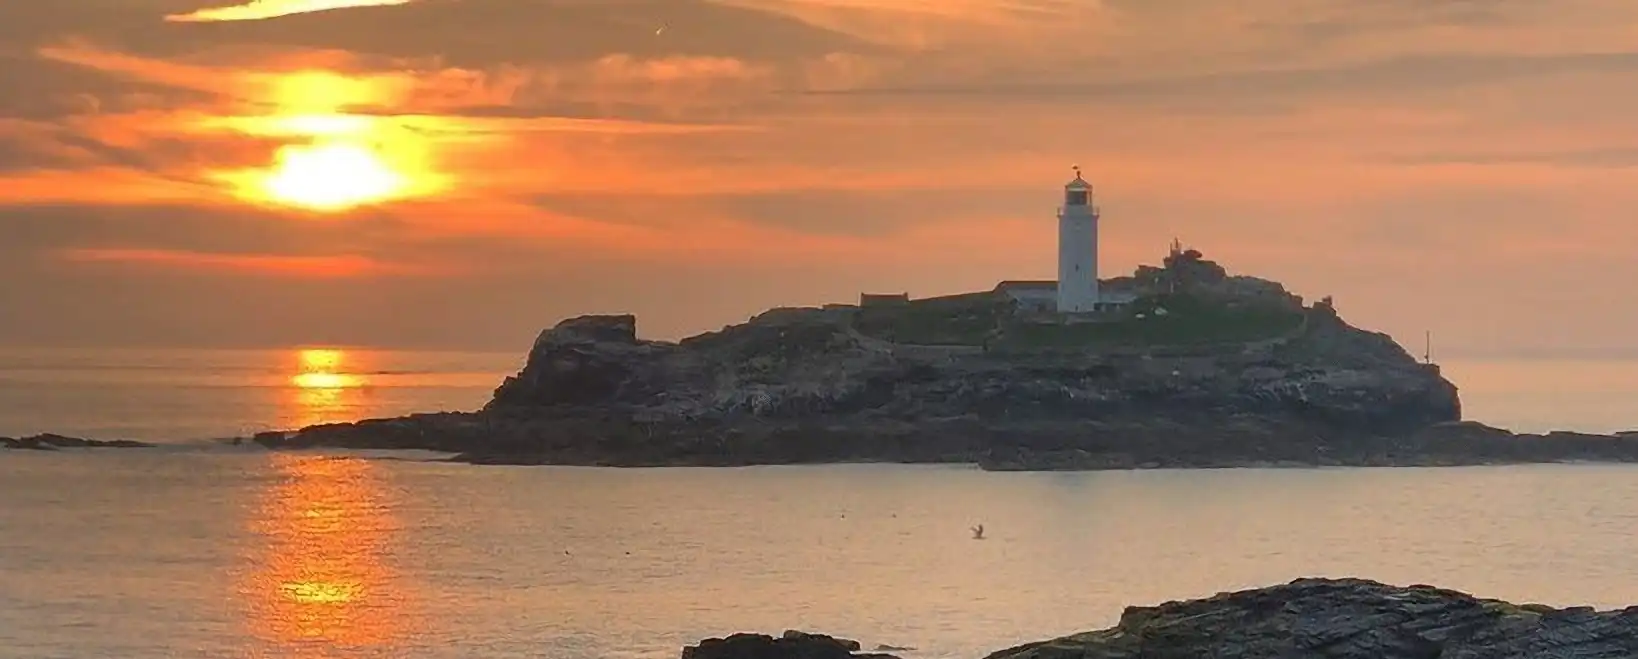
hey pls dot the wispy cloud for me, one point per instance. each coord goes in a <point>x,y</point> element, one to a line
<point>307,267</point>
<point>920,25</point>
<point>263,9</point>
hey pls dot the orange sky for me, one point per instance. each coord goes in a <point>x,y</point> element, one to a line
<point>460,173</point>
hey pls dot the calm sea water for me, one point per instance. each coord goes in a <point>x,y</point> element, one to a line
<point>211,553</point>
<point>204,550</point>
<point>189,395</point>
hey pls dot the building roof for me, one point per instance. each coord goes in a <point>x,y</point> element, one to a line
<point>1079,183</point>
<point>1027,283</point>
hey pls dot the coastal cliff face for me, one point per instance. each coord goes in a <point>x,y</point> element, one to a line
<point>813,365</point>
<point>1204,369</point>
<point>1199,347</point>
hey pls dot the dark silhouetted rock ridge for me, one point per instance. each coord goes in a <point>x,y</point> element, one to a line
<point>51,442</point>
<point>790,645</point>
<point>1202,369</point>
<point>1349,619</point>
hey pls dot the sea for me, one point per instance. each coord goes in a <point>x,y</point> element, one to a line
<point>199,548</point>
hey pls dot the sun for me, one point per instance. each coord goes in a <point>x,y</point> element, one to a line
<point>335,154</point>
<point>331,177</point>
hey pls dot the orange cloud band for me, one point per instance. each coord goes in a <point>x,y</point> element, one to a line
<point>306,267</point>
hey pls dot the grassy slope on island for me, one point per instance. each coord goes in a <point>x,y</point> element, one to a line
<point>1173,319</point>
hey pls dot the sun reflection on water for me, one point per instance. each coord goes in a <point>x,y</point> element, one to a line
<point>324,388</point>
<point>322,583</point>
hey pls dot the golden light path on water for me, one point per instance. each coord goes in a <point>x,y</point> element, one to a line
<point>320,582</point>
<point>324,387</point>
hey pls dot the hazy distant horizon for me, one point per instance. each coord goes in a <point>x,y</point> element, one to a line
<point>177,173</point>
<point>192,394</point>
<point>520,347</point>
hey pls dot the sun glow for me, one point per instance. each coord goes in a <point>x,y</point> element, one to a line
<point>256,10</point>
<point>336,157</point>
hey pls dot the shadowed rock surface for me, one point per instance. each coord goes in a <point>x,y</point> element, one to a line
<point>50,442</point>
<point>790,645</point>
<point>1349,619</point>
<point>1203,369</point>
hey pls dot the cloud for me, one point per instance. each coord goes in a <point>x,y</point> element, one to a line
<point>535,32</point>
<point>1398,75</point>
<point>923,25</point>
<point>1597,158</point>
<point>696,160</point>
<point>282,114</point>
<point>315,267</point>
<point>264,9</point>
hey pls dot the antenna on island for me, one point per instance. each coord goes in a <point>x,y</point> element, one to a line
<point>1427,347</point>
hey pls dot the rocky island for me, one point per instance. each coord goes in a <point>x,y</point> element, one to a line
<point>1307,618</point>
<point>1196,368</point>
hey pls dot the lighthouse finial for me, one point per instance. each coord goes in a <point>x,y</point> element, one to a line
<point>1077,169</point>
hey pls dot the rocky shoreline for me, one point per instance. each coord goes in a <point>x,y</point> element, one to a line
<point>1306,618</point>
<point>475,439</point>
<point>1459,444</point>
<point>52,442</point>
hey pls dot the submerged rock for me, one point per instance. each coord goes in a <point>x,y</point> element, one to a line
<point>1349,619</point>
<point>51,442</point>
<point>790,645</point>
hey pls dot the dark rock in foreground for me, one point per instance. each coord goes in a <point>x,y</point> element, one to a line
<point>790,645</point>
<point>50,442</point>
<point>1304,619</point>
<point>1349,619</point>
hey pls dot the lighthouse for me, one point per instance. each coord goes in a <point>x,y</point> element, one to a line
<point>1078,248</point>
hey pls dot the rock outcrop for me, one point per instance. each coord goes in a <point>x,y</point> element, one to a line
<point>1232,371</point>
<point>50,442</point>
<point>1349,619</point>
<point>790,645</point>
<point>810,387</point>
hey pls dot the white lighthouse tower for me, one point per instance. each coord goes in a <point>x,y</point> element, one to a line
<point>1078,248</point>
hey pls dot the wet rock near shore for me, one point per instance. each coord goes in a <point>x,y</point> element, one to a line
<point>51,442</point>
<point>1349,619</point>
<point>790,645</point>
